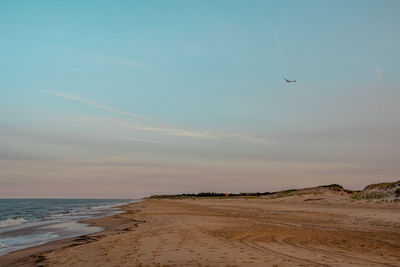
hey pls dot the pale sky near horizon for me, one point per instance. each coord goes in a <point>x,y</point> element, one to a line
<point>131,98</point>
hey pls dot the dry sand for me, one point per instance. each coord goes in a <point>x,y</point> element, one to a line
<point>317,230</point>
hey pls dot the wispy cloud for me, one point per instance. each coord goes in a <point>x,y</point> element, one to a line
<point>142,140</point>
<point>128,62</point>
<point>170,131</point>
<point>278,43</point>
<point>100,106</point>
<point>247,137</point>
<point>152,125</point>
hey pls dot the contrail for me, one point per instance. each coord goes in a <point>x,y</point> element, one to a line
<point>277,42</point>
<point>100,106</point>
<point>165,128</point>
<point>155,126</point>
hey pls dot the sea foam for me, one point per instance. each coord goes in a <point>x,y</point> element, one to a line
<point>11,222</point>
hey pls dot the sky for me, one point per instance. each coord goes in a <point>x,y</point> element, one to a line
<point>124,99</point>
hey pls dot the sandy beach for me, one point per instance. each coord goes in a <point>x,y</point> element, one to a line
<point>321,230</point>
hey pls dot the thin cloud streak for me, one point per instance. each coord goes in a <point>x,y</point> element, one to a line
<point>100,106</point>
<point>128,62</point>
<point>247,137</point>
<point>277,41</point>
<point>170,131</point>
<point>160,127</point>
<point>141,140</point>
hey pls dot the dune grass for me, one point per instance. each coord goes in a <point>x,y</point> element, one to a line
<point>370,196</point>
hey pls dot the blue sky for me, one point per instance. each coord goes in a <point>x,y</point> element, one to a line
<point>128,98</point>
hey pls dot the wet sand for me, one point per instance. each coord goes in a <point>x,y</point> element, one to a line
<point>319,230</point>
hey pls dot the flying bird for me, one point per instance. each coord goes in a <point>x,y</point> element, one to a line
<point>289,81</point>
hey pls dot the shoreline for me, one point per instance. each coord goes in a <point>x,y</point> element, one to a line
<point>27,223</point>
<point>28,255</point>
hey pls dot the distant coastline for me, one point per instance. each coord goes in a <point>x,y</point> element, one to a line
<point>387,191</point>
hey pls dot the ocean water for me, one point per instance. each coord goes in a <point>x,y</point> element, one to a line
<point>30,222</point>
